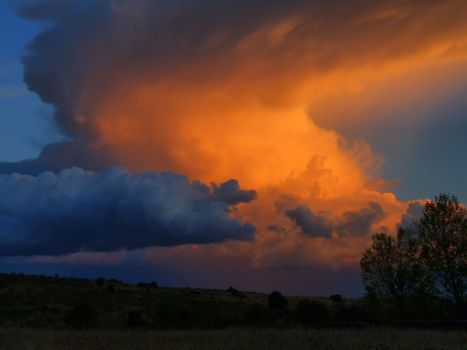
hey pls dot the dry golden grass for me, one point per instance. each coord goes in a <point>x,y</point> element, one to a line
<point>233,339</point>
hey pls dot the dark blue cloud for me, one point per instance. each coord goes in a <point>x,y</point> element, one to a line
<point>231,193</point>
<point>351,223</point>
<point>360,222</point>
<point>62,155</point>
<point>77,210</point>
<point>43,9</point>
<point>311,224</point>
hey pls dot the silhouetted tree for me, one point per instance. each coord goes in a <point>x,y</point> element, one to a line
<point>442,231</point>
<point>391,268</point>
<point>277,301</point>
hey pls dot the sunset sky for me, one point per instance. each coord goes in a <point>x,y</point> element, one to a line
<point>209,143</point>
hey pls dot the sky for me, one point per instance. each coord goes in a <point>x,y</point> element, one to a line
<point>209,143</point>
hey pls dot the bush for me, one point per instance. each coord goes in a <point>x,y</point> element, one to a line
<point>311,312</point>
<point>337,298</point>
<point>277,301</point>
<point>235,292</point>
<point>81,316</point>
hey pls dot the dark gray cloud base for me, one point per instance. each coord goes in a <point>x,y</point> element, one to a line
<point>311,224</point>
<point>359,222</point>
<point>76,210</point>
<point>351,223</point>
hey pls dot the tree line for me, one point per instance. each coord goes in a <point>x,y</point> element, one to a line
<point>422,272</point>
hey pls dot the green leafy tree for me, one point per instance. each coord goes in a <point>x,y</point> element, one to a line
<point>442,232</point>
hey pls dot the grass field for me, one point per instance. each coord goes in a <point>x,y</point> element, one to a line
<point>44,301</point>
<point>37,313</point>
<point>233,339</point>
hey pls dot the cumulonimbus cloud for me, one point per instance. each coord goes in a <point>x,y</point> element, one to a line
<point>99,57</point>
<point>77,210</point>
<point>218,89</point>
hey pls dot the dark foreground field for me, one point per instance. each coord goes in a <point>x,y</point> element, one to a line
<point>52,312</point>
<point>47,302</point>
<point>234,339</point>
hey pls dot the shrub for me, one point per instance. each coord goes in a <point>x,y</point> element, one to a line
<point>235,292</point>
<point>277,301</point>
<point>337,298</point>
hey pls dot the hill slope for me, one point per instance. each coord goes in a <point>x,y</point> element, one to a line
<point>58,302</point>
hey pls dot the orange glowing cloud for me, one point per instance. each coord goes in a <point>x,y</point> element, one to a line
<point>214,99</point>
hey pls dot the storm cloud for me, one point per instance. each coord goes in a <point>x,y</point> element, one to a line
<point>231,193</point>
<point>62,155</point>
<point>351,223</point>
<point>216,89</point>
<point>360,222</point>
<point>77,210</point>
<point>92,49</point>
<point>311,224</point>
